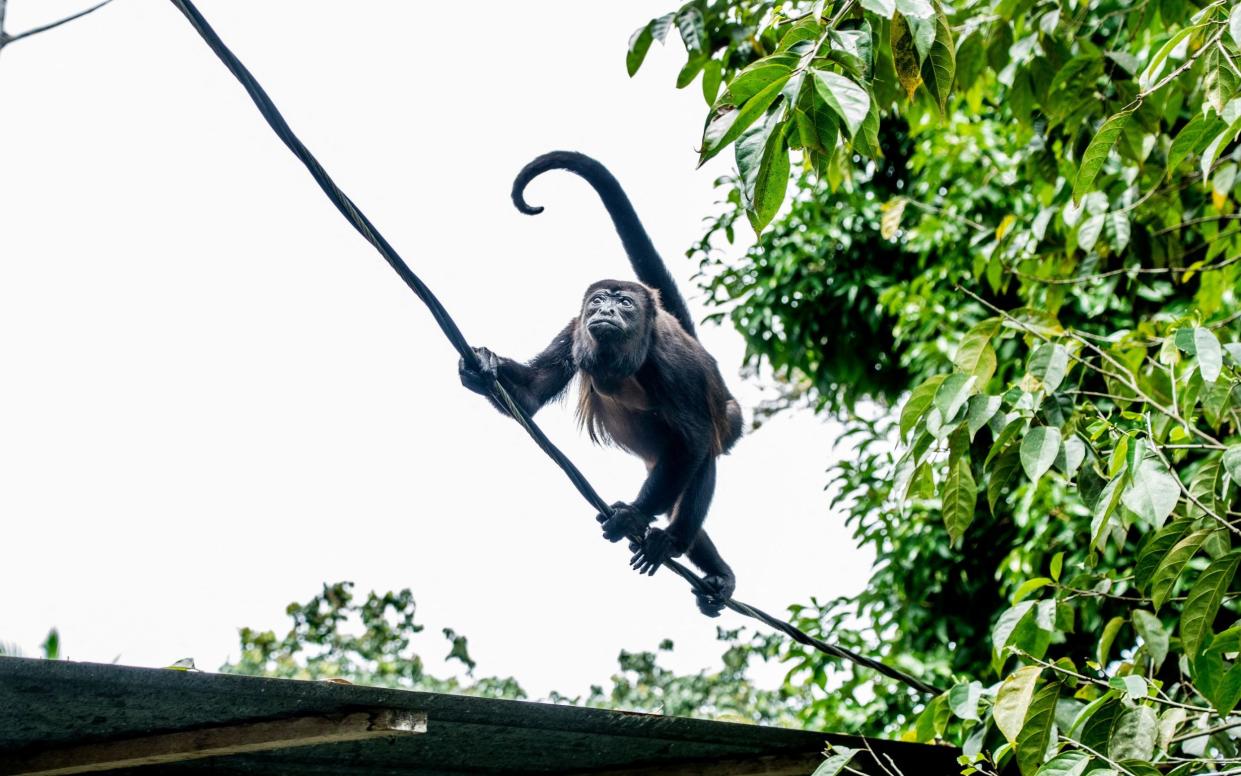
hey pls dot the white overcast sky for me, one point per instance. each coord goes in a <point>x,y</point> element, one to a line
<point>215,396</point>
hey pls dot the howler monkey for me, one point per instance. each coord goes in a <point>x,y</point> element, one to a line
<point>647,385</point>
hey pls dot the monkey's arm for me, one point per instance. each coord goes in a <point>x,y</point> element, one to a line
<point>531,385</point>
<point>672,476</point>
<point>668,479</point>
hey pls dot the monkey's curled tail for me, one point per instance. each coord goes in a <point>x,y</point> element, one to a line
<point>646,261</point>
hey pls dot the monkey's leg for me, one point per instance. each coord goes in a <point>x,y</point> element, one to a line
<point>686,521</point>
<point>717,575</point>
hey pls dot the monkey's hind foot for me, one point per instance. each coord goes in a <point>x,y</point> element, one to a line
<point>626,521</point>
<point>721,588</point>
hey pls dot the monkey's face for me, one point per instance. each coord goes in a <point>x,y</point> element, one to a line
<point>615,311</point>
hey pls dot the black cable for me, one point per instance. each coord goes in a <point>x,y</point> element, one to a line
<point>360,222</point>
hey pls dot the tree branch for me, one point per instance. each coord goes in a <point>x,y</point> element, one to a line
<point>6,39</point>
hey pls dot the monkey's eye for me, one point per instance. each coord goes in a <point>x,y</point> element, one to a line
<point>596,299</point>
<point>626,302</point>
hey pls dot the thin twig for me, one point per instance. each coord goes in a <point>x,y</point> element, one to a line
<point>940,211</point>
<point>1207,732</point>
<point>1189,62</point>
<point>1196,221</point>
<point>1192,498</point>
<point>894,771</point>
<point>1099,682</point>
<point>7,39</point>
<point>1171,412</point>
<point>1120,377</point>
<point>1122,271</point>
<point>1096,753</point>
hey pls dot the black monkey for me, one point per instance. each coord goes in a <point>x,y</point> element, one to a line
<point>647,385</point>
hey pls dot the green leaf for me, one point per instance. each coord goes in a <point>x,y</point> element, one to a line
<point>1152,492</point>
<point>1170,568</point>
<point>1028,587</point>
<point>1220,83</point>
<point>932,721</point>
<point>1218,681</point>
<point>1096,153</point>
<point>1133,738</point>
<point>959,497</point>
<point>1008,434</point>
<point>692,28</point>
<point>940,66</point>
<point>1089,230</point>
<point>884,8</point>
<point>1206,486</point>
<point>1071,763</point>
<point>1039,450</point>
<point>1072,454</point>
<point>1012,701</point>
<point>846,99</point>
<point>746,84</point>
<point>918,403</point>
<point>1209,354</point>
<point>749,150</point>
<point>712,79</point>
<point>1006,626</point>
<point>639,44</point>
<point>1153,552</point>
<point>1153,634</point>
<point>1153,69</point>
<point>693,66</point>
<point>976,357</point>
<point>660,26</point>
<point>1103,651</point>
<point>1031,746</point>
<point>1232,462</point>
<point>1133,686</point>
<point>1234,25</point>
<point>1204,599</point>
<point>1211,153</point>
<point>1006,466</point>
<point>1057,563</point>
<point>1049,363</point>
<point>807,28</point>
<point>915,9</point>
<point>952,395</point>
<point>727,122</point>
<point>772,180</point>
<point>836,762</point>
<point>905,58</point>
<point>1234,352</point>
<point>51,646</point>
<point>1097,732</point>
<point>1193,138</point>
<point>963,699</point>
<point>1100,519</point>
<point>1027,626</point>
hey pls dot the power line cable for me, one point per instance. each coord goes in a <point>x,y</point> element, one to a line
<point>362,224</point>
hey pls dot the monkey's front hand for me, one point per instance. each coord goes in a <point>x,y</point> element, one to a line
<point>649,554</point>
<point>482,379</point>
<point>626,521</point>
<point>720,587</point>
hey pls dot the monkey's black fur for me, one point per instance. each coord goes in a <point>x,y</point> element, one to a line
<point>647,385</point>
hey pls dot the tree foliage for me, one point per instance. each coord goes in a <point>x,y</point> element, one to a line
<point>375,641</point>
<point>1006,246</point>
